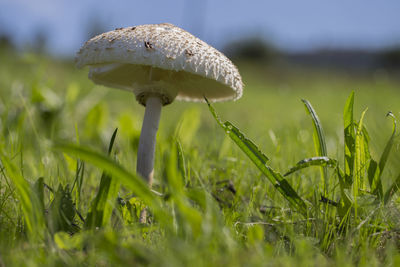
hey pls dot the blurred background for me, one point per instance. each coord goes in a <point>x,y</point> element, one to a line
<point>346,34</point>
<point>285,51</point>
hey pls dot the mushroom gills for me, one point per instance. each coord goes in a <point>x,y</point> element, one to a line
<point>187,86</point>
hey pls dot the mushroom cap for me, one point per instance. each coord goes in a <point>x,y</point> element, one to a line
<point>162,59</point>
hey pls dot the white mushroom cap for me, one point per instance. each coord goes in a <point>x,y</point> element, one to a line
<point>160,59</point>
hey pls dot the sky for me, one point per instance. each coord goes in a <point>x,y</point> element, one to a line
<point>288,24</point>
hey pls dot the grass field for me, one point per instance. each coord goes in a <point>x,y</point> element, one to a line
<point>212,205</point>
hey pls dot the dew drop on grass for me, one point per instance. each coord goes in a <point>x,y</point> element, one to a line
<point>228,129</point>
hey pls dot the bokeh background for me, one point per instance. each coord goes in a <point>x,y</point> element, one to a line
<point>355,29</point>
<point>285,51</point>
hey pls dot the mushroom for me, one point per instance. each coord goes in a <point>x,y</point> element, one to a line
<point>159,63</point>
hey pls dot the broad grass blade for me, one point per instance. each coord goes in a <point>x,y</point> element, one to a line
<point>346,177</point>
<point>361,158</point>
<point>375,170</point>
<point>362,155</point>
<point>101,207</point>
<point>319,141</point>
<point>382,162</point>
<point>349,139</point>
<point>374,180</point>
<point>260,160</point>
<point>392,190</point>
<point>389,145</point>
<point>314,161</point>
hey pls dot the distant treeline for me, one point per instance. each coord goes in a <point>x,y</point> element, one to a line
<point>258,50</point>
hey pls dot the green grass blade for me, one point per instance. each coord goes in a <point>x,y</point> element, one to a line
<point>392,190</point>
<point>260,160</point>
<point>360,159</point>
<point>374,180</point>
<point>345,200</point>
<point>80,169</point>
<point>349,139</point>
<point>133,182</point>
<point>101,207</point>
<point>348,111</point>
<point>389,144</point>
<point>386,151</point>
<point>346,177</point>
<point>173,174</point>
<point>319,142</point>
<point>181,161</point>
<point>38,189</point>
<point>78,181</point>
<point>361,153</point>
<point>382,162</point>
<point>375,169</point>
<point>314,161</point>
<point>112,140</point>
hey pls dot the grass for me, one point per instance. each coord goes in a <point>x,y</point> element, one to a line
<point>273,186</point>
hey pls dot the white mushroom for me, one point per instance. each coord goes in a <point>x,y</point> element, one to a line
<point>159,63</point>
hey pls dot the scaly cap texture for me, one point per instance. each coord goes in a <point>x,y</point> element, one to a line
<point>154,57</point>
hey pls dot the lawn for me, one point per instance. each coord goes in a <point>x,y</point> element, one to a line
<point>64,200</point>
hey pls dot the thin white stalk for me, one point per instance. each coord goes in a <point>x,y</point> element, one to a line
<point>147,141</point>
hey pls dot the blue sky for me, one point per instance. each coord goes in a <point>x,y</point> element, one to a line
<point>289,24</point>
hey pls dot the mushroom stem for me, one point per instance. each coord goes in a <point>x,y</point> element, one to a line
<point>147,141</point>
